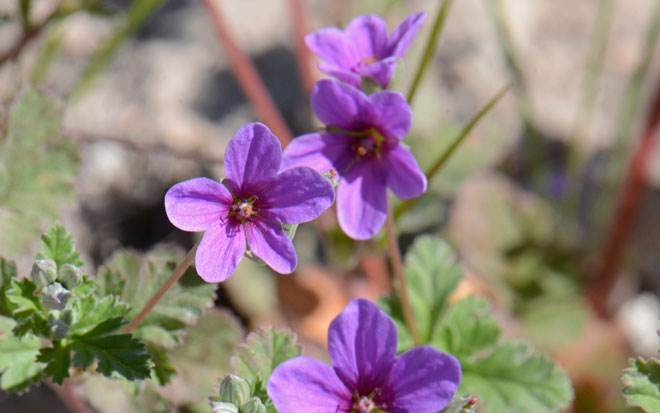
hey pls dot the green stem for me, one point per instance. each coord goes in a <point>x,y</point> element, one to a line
<point>397,267</point>
<point>431,43</point>
<point>176,274</point>
<point>446,155</point>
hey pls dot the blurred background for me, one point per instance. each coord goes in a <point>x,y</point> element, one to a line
<point>551,201</point>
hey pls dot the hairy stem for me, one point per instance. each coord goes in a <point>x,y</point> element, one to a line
<point>176,274</point>
<point>397,267</point>
<point>248,77</point>
<point>430,47</point>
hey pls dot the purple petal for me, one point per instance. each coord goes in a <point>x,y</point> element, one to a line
<point>304,385</point>
<point>362,200</point>
<point>422,380</point>
<point>220,251</point>
<point>346,76</point>
<point>402,36</point>
<point>319,151</point>
<point>253,154</point>
<point>268,242</point>
<point>362,346</point>
<point>196,204</point>
<point>381,71</point>
<point>331,45</point>
<point>296,195</point>
<point>404,177</point>
<point>368,34</point>
<point>340,105</point>
<point>394,114</point>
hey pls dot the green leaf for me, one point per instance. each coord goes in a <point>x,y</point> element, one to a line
<point>58,361</point>
<point>37,170</point>
<point>18,358</point>
<point>58,246</point>
<point>467,328</point>
<point>642,384</point>
<point>116,354</point>
<point>92,312</point>
<point>264,350</point>
<point>513,379</point>
<point>26,308</point>
<point>7,273</point>
<point>432,274</point>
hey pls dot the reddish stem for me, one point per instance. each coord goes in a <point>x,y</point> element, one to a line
<point>625,213</point>
<point>248,77</point>
<point>303,56</point>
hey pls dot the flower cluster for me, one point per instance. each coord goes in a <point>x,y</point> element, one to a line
<point>366,374</point>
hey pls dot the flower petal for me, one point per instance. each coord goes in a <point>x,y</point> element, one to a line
<point>404,177</point>
<point>341,105</point>
<point>394,114</point>
<point>402,36</point>
<point>362,346</point>
<point>304,385</point>
<point>296,195</point>
<point>196,204</point>
<point>368,34</point>
<point>362,200</point>
<point>220,251</point>
<point>345,75</point>
<point>331,45</point>
<point>319,151</point>
<point>422,380</point>
<point>381,71</point>
<point>253,154</point>
<point>268,242</point>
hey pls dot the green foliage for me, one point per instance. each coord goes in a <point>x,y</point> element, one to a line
<point>642,384</point>
<point>37,169</point>
<point>58,246</point>
<point>134,279</point>
<point>17,357</point>
<point>506,377</point>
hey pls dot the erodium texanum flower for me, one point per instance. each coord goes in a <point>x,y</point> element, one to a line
<point>362,143</point>
<point>366,374</point>
<point>248,208</point>
<point>364,48</point>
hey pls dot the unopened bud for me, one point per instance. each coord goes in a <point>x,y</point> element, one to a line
<point>54,296</point>
<point>70,275</point>
<point>44,272</point>
<point>234,389</point>
<point>253,405</point>
<point>223,407</point>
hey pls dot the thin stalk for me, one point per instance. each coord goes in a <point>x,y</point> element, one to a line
<point>397,267</point>
<point>248,77</point>
<point>447,154</point>
<point>303,56</point>
<point>625,214</point>
<point>176,274</point>
<point>31,33</point>
<point>431,43</point>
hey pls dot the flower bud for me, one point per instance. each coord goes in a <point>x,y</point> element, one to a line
<point>223,407</point>
<point>54,296</point>
<point>253,405</point>
<point>234,389</point>
<point>70,275</point>
<point>44,272</point>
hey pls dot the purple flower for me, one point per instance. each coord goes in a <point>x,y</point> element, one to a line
<point>362,144</point>
<point>363,49</point>
<point>366,373</point>
<point>251,206</point>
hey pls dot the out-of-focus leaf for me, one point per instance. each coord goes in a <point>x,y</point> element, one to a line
<point>7,273</point>
<point>18,358</point>
<point>264,350</point>
<point>36,170</point>
<point>432,274</point>
<point>642,384</point>
<point>462,404</point>
<point>512,379</point>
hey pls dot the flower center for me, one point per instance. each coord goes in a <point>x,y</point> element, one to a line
<point>368,145</point>
<point>369,60</point>
<point>244,209</point>
<point>367,404</point>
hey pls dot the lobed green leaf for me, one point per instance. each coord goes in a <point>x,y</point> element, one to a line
<point>642,384</point>
<point>18,358</point>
